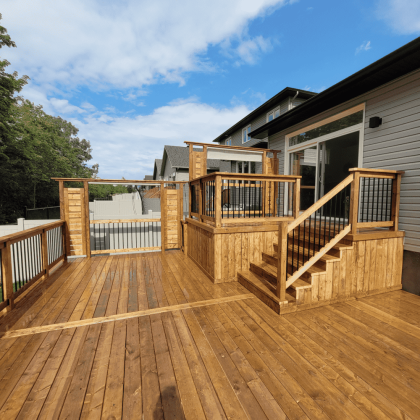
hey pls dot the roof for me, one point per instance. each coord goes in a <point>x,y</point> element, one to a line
<point>148,177</point>
<point>265,107</point>
<point>394,65</point>
<point>179,158</point>
<point>157,168</point>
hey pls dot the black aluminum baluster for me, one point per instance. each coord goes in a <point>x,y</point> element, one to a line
<point>313,248</point>
<point>298,255</point>
<point>329,228</point>
<point>304,242</point>
<point>369,206</point>
<point>339,211</point>
<point>293,250</point>
<point>363,198</point>
<point>335,212</point>
<point>309,236</point>
<point>386,203</point>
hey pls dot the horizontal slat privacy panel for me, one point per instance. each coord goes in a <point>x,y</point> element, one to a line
<point>173,209</point>
<point>74,214</point>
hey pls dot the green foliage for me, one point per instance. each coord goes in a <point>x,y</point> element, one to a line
<point>34,147</point>
<point>101,191</point>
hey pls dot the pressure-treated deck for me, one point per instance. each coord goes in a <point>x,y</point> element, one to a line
<point>115,337</point>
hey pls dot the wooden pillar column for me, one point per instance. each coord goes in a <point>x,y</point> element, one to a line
<point>395,206</point>
<point>200,201</point>
<point>44,252</point>
<point>6,268</point>
<point>64,228</point>
<point>218,198</point>
<point>163,217</point>
<point>85,219</point>
<point>296,198</point>
<point>354,202</point>
<point>282,261</point>
<point>180,205</point>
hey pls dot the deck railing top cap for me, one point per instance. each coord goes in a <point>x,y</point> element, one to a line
<point>222,146</point>
<point>379,171</point>
<point>118,181</point>
<point>235,175</point>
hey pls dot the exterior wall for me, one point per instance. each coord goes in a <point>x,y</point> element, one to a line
<point>393,145</point>
<point>182,175</point>
<point>168,170</point>
<point>257,122</point>
<point>23,224</point>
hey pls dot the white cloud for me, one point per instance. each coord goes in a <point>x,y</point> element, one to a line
<point>402,15</point>
<point>364,47</point>
<point>100,44</point>
<point>125,145</point>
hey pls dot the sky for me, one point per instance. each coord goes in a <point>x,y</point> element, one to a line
<point>135,75</point>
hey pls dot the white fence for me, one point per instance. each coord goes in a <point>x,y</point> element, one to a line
<point>22,224</point>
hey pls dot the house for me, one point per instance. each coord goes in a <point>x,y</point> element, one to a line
<point>175,164</point>
<point>156,170</point>
<point>368,120</point>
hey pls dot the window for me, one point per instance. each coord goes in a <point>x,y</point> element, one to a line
<point>245,134</point>
<point>245,167</point>
<point>273,114</point>
<point>340,124</point>
<point>228,142</point>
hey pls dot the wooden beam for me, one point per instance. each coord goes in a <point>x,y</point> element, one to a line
<point>282,262</point>
<point>218,146</point>
<point>373,225</point>
<point>117,181</point>
<point>116,251</point>
<point>105,221</point>
<point>61,196</point>
<point>247,177</point>
<point>190,162</point>
<point>204,161</point>
<point>180,205</point>
<point>368,236</point>
<point>377,171</point>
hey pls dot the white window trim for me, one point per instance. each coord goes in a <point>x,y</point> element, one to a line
<point>245,129</point>
<point>228,141</point>
<point>272,112</point>
<point>315,142</point>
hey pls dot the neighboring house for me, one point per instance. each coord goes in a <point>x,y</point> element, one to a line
<point>238,134</point>
<point>156,170</point>
<point>175,164</point>
<point>371,120</point>
<point>122,206</point>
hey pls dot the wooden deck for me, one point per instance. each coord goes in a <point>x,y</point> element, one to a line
<point>118,337</point>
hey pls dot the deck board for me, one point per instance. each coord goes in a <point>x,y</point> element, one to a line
<point>221,354</point>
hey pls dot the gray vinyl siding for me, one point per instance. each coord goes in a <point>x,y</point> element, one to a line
<point>256,123</point>
<point>393,145</point>
<point>168,171</point>
<point>182,175</point>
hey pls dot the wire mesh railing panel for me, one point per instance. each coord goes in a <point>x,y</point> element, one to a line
<point>26,260</point>
<point>129,235</point>
<point>55,244</point>
<point>375,199</point>
<point>313,233</point>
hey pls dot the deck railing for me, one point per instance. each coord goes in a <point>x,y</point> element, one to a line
<point>28,256</point>
<point>366,199</point>
<point>226,198</point>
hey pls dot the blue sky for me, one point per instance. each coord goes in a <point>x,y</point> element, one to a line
<point>136,75</point>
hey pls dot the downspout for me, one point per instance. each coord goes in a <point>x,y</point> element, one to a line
<point>294,97</point>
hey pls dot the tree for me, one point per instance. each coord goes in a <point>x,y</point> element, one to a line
<point>34,147</point>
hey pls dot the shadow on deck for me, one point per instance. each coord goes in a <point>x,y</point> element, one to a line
<point>118,336</point>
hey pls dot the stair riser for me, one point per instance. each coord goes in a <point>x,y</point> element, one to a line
<point>273,261</point>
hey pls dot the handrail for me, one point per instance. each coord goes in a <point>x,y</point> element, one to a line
<point>320,202</point>
<point>247,177</point>
<point>105,221</point>
<point>29,232</point>
<point>28,256</point>
<point>220,146</point>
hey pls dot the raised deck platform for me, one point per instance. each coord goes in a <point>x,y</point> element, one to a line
<point>150,334</point>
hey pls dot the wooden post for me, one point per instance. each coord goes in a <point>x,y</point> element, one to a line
<point>85,219</point>
<point>218,198</point>
<point>6,267</point>
<point>200,201</point>
<point>296,198</point>
<point>61,196</point>
<point>354,203</point>
<point>190,199</point>
<point>282,261</point>
<point>163,214</point>
<point>395,206</point>
<point>63,217</point>
<point>186,238</point>
<point>44,252</point>
<point>180,205</point>
<point>275,170</point>
<point>204,161</point>
<point>191,163</point>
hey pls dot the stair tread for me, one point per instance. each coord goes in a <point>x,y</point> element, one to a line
<point>312,270</point>
<point>300,284</point>
<point>262,285</point>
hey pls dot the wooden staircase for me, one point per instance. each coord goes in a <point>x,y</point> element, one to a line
<point>261,279</point>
